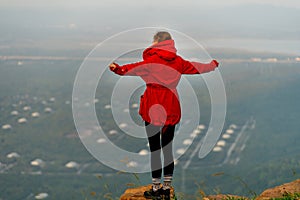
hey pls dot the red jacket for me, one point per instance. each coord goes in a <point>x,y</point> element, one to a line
<point>161,69</point>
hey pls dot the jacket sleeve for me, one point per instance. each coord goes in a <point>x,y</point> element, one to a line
<point>133,69</point>
<point>197,67</point>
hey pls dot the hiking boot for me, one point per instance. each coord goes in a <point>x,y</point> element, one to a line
<point>165,194</point>
<point>154,195</point>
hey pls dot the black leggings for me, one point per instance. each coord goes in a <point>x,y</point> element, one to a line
<point>161,138</point>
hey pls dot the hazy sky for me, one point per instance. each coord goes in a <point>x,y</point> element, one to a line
<point>286,3</point>
<point>212,21</point>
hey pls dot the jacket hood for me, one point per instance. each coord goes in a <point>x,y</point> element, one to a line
<point>165,50</point>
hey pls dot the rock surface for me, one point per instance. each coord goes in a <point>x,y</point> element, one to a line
<point>138,193</point>
<point>276,192</point>
<point>280,191</point>
<point>223,197</point>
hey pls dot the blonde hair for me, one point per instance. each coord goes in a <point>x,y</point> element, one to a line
<point>162,36</point>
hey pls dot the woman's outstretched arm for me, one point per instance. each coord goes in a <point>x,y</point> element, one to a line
<point>197,67</point>
<point>133,69</point>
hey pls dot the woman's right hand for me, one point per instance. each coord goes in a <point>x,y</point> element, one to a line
<point>112,66</point>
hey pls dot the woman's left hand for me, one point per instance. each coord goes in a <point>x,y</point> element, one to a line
<point>215,62</point>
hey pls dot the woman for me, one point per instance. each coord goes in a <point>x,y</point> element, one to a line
<point>161,70</point>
